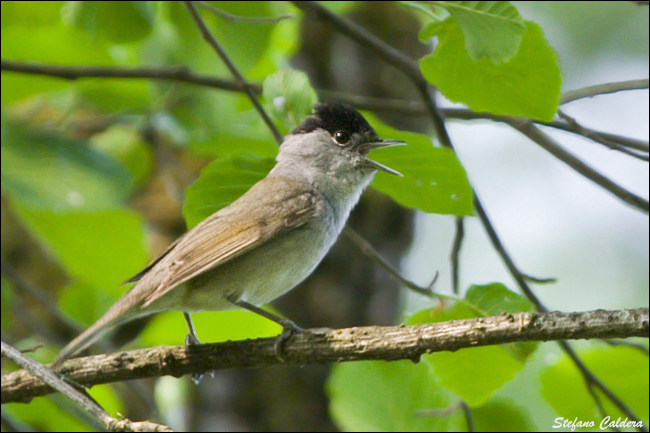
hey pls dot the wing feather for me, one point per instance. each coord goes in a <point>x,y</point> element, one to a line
<point>255,218</point>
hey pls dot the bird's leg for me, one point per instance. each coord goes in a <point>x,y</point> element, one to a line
<point>289,328</point>
<point>192,340</point>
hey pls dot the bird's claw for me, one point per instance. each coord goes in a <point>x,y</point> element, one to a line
<point>281,339</point>
<point>191,340</point>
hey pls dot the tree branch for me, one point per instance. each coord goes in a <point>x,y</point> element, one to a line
<point>369,251</point>
<point>173,73</point>
<point>600,139</point>
<point>388,343</point>
<point>185,75</point>
<point>83,400</point>
<point>603,89</point>
<point>391,55</point>
<point>548,144</point>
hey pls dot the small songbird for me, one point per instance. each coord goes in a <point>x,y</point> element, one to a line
<point>267,241</point>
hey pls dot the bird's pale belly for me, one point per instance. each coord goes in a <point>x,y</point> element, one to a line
<point>257,277</point>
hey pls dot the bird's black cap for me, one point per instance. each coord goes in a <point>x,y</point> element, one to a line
<point>334,117</point>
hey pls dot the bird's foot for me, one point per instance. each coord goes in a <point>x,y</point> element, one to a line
<point>191,340</point>
<point>289,329</point>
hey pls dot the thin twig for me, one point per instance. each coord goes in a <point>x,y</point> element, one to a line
<point>368,250</point>
<point>455,253</point>
<point>185,75</point>
<point>82,399</point>
<point>238,18</point>
<point>599,404</point>
<point>538,280</point>
<point>632,143</point>
<point>175,73</point>
<point>32,349</point>
<point>363,37</point>
<point>600,139</point>
<point>591,378</point>
<point>438,411</point>
<point>464,114</point>
<point>210,39</point>
<point>603,89</point>
<point>469,417</point>
<point>547,143</point>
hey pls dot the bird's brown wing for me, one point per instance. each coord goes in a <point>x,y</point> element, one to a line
<point>273,205</point>
<point>152,263</point>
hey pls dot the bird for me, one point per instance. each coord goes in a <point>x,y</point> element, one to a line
<point>268,240</point>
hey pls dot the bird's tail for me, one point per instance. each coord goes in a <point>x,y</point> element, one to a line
<point>85,339</point>
<point>118,313</point>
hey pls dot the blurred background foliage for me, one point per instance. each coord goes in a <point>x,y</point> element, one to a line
<point>99,175</point>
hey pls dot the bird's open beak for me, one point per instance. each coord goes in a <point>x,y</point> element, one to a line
<point>365,148</point>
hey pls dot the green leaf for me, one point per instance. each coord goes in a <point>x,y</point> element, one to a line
<point>284,41</point>
<point>496,299</point>
<point>211,327</point>
<point>245,42</point>
<point>30,13</point>
<point>125,144</point>
<point>116,21</point>
<point>476,373</point>
<point>429,30</point>
<point>501,415</point>
<point>60,44</point>
<point>623,369</point>
<point>43,44</point>
<point>219,124</point>
<point>235,35</point>
<point>43,414</point>
<point>290,96</point>
<point>221,182</point>
<point>526,85</point>
<point>493,29</point>
<point>101,248</point>
<point>95,300</point>
<point>107,398</point>
<point>385,396</point>
<point>114,95</point>
<point>434,181</point>
<point>46,171</point>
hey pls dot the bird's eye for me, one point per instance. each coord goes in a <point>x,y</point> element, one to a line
<point>342,137</point>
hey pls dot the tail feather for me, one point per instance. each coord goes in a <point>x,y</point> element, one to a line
<point>127,308</point>
<point>85,339</point>
<point>122,311</point>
